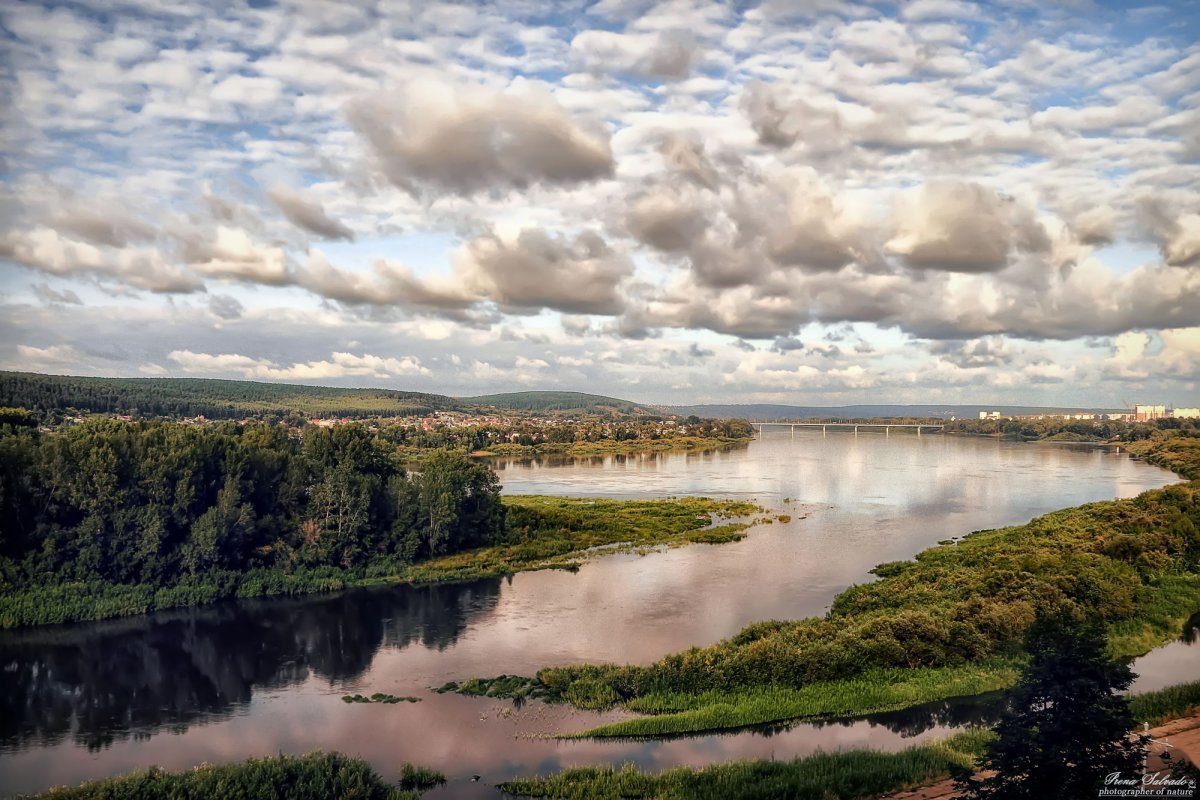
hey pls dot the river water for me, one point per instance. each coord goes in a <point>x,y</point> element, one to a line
<point>256,678</point>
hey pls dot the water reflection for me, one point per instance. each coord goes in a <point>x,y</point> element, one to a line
<point>266,676</point>
<point>98,683</point>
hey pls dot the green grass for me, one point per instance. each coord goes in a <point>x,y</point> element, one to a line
<point>419,778</point>
<point>316,776</point>
<point>822,776</point>
<point>875,692</point>
<point>379,697</point>
<point>557,532</point>
<point>1173,702</point>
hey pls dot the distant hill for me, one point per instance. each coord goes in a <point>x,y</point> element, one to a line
<point>578,402</point>
<point>767,411</point>
<point>215,399</point>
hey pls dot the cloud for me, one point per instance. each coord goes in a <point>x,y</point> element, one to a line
<point>308,214</point>
<point>233,255</point>
<point>1178,235</point>
<point>962,227</point>
<point>49,295</point>
<point>1096,226</point>
<point>225,307</point>
<point>44,249</point>
<point>534,270</point>
<point>338,365</point>
<point>431,138</point>
<point>667,55</point>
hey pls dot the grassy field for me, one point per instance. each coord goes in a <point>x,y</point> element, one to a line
<point>316,776</point>
<point>1173,702</point>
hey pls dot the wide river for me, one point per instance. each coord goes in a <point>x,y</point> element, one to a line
<point>256,678</point>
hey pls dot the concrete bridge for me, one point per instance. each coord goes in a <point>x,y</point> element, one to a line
<point>824,426</point>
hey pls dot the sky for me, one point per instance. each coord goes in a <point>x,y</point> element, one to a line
<point>812,202</point>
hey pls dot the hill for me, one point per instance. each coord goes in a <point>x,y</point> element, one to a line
<point>767,411</point>
<point>578,402</point>
<point>216,399</point>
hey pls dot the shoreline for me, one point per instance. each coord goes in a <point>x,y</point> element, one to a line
<point>669,707</point>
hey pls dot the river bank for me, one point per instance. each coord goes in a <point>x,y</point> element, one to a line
<point>946,624</point>
<point>543,533</point>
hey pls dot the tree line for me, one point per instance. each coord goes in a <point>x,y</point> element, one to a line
<point>155,502</point>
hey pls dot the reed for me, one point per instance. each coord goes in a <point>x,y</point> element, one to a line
<point>822,776</point>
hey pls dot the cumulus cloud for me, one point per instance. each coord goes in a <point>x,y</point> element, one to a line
<point>533,270</point>
<point>1178,234</point>
<point>666,55</point>
<point>308,214</point>
<point>962,227</point>
<point>44,249</point>
<point>436,138</point>
<point>338,365</point>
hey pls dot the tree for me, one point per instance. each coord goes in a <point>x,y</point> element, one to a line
<point>1066,724</point>
<point>459,503</point>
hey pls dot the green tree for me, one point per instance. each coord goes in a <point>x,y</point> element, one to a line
<point>1066,724</point>
<point>459,503</point>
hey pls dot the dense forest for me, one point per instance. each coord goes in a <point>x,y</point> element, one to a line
<point>216,399</point>
<point>206,511</point>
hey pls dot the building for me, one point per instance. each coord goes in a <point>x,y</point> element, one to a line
<point>1144,413</point>
<point>1186,413</point>
<point>989,415</point>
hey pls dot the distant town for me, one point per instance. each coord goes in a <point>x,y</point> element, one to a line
<point>1140,413</point>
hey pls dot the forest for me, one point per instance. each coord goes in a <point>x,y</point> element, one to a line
<point>54,395</point>
<point>206,511</point>
<point>1077,430</point>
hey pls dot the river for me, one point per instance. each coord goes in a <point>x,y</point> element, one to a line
<point>259,677</point>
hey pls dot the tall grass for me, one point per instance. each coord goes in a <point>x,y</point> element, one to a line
<point>822,776</point>
<point>874,692</point>
<point>316,776</point>
<point>1161,706</point>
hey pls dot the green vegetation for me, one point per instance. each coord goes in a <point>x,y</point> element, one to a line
<point>316,776</point>
<point>1057,429</point>
<point>379,697</point>
<point>578,402</point>
<point>873,692</point>
<point>216,399</point>
<point>623,446</point>
<point>556,532</point>
<point>950,622</point>
<point>109,518</point>
<point>822,776</point>
<point>1173,702</point>
<point>1181,456</point>
<point>414,777</point>
<point>1065,725</point>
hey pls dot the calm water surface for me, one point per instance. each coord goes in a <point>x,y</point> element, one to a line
<point>256,678</point>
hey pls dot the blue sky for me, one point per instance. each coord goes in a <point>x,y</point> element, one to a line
<point>811,202</point>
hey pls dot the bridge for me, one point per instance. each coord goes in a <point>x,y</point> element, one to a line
<point>824,426</point>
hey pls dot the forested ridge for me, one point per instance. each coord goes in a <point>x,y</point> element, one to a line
<point>217,399</point>
<point>206,511</point>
